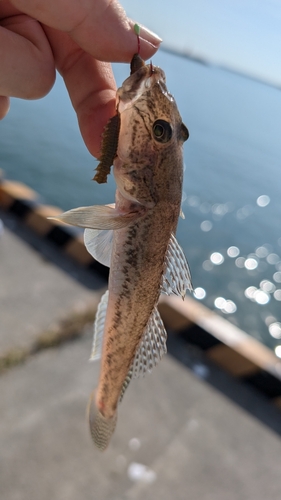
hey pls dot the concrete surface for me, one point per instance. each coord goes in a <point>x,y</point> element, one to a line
<point>34,293</point>
<point>197,443</point>
<point>193,440</point>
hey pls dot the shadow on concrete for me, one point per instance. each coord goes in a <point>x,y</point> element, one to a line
<point>239,391</point>
<point>94,277</point>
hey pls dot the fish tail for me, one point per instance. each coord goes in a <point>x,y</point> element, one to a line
<point>101,427</point>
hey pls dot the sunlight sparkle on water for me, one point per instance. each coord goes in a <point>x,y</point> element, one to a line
<point>229,307</point>
<point>217,258</point>
<point>273,258</point>
<point>233,252</point>
<point>262,252</point>
<point>193,201</point>
<point>277,294</point>
<point>206,226</point>
<point>275,330</point>
<point>278,351</point>
<point>261,297</point>
<point>205,207</point>
<point>267,286</point>
<point>244,212</point>
<point>226,306</point>
<point>251,263</point>
<point>199,293</point>
<point>256,295</point>
<point>240,261</point>
<point>219,209</point>
<point>263,200</point>
<point>277,277</point>
<point>219,302</point>
<point>207,265</point>
<point>250,292</point>
<point>270,319</point>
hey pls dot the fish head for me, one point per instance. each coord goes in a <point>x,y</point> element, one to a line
<point>149,152</point>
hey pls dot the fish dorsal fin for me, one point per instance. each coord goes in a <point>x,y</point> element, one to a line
<point>99,328</point>
<point>99,244</point>
<point>152,346</point>
<point>177,278</point>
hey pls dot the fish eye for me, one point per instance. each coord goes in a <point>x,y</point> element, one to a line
<point>184,132</point>
<point>162,131</point>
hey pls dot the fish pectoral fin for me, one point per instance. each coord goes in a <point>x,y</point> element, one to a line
<point>99,328</point>
<point>177,278</point>
<point>96,217</point>
<point>152,346</point>
<point>99,244</point>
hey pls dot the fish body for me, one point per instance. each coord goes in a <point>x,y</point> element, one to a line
<point>135,237</point>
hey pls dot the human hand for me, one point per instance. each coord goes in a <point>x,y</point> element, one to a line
<point>80,39</point>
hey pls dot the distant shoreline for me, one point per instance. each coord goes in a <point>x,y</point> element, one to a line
<point>201,60</point>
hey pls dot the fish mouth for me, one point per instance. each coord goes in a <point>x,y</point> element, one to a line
<point>136,63</point>
<point>143,77</point>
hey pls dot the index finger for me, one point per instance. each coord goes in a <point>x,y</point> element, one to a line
<point>100,27</point>
<point>90,84</point>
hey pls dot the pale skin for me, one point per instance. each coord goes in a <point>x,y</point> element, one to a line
<point>79,38</point>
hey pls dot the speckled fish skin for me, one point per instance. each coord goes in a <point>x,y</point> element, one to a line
<point>149,178</point>
<point>144,257</point>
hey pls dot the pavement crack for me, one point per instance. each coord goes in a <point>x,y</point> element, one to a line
<point>70,328</point>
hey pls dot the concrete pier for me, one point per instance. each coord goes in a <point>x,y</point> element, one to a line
<point>190,430</point>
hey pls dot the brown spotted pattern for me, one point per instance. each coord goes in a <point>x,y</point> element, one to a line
<point>149,176</point>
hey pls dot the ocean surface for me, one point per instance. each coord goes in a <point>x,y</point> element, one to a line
<point>231,234</point>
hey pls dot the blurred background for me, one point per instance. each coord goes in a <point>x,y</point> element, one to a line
<point>221,60</point>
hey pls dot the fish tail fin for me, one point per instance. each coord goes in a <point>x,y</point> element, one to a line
<point>101,427</point>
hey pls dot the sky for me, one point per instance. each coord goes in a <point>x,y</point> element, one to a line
<point>244,35</point>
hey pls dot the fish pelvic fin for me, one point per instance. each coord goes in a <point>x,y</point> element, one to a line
<point>101,428</point>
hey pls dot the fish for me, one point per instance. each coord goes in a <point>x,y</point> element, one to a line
<point>135,238</point>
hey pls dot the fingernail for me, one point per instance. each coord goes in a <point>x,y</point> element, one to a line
<point>149,36</point>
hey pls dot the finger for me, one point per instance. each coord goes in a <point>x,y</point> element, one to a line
<point>26,60</point>
<point>4,106</point>
<point>100,27</point>
<point>90,84</point>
